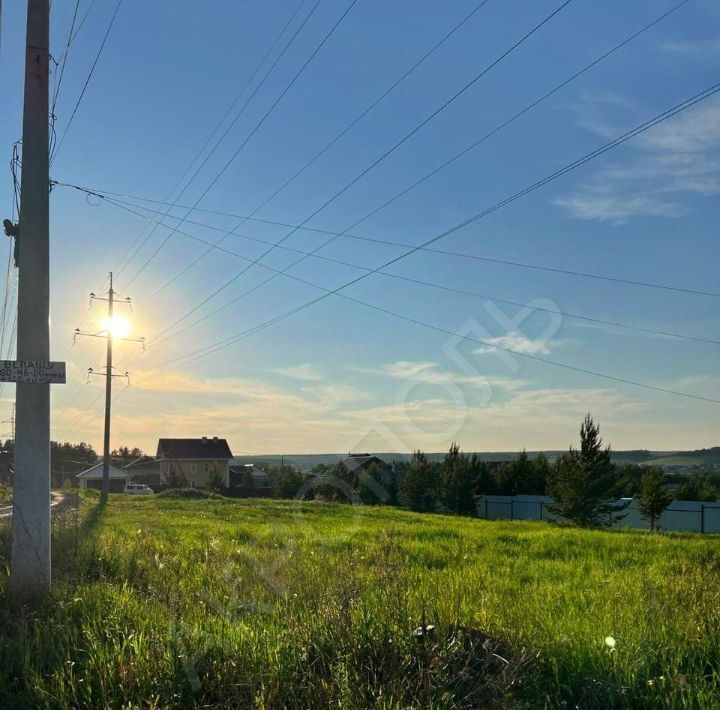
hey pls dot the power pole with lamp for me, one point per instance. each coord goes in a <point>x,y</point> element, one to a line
<point>109,333</point>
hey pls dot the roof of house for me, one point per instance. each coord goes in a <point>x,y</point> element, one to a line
<point>260,478</point>
<point>355,461</point>
<point>97,472</point>
<point>141,462</point>
<point>204,448</point>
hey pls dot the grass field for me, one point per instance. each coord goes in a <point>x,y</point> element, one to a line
<point>163,602</point>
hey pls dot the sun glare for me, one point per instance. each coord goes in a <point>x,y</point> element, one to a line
<point>119,326</point>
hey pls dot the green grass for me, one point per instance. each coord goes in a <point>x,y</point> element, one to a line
<point>168,602</point>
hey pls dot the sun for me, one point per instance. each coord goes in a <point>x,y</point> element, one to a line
<point>118,326</point>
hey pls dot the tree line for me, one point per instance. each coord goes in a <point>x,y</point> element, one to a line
<point>585,484</point>
<point>66,460</point>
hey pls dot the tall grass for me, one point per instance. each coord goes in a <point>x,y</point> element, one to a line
<point>166,602</point>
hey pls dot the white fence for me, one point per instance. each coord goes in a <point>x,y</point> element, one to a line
<point>681,515</point>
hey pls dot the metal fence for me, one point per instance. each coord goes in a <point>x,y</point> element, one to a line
<point>681,515</point>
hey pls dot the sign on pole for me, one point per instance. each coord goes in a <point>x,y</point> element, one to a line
<point>33,372</point>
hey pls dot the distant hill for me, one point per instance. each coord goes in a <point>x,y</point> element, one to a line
<point>698,457</point>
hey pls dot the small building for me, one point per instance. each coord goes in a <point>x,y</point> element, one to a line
<point>145,469</point>
<point>355,463</point>
<point>194,462</point>
<point>93,477</point>
<point>245,474</point>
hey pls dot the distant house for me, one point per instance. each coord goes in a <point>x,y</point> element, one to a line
<point>145,469</point>
<point>243,474</point>
<point>361,463</point>
<point>92,478</point>
<point>193,462</point>
<point>355,463</point>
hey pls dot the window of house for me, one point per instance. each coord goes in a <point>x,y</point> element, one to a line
<point>192,484</point>
<point>193,467</point>
<point>207,467</point>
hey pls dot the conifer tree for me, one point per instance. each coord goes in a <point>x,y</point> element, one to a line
<point>458,484</point>
<point>418,488</point>
<point>584,483</point>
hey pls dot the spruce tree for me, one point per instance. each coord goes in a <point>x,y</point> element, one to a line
<point>584,483</point>
<point>418,488</point>
<point>458,483</point>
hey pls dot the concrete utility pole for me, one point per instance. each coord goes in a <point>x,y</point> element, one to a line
<point>108,392</point>
<point>31,489</point>
<point>109,374</point>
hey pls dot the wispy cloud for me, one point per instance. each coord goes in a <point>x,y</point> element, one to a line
<point>708,385</point>
<point>519,343</point>
<point>306,372</point>
<point>680,156</point>
<point>592,204</point>
<point>265,419</point>
<point>431,373</point>
<point>694,131</point>
<point>697,47</point>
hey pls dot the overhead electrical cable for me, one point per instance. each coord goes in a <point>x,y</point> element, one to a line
<point>81,23</point>
<point>347,234</point>
<point>660,118</point>
<point>448,162</point>
<point>476,143</point>
<point>237,152</point>
<point>141,240</point>
<point>107,197</point>
<point>332,142</point>
<point>63,60</point>
<point>130,251</point>
<point>87,80</point>
<point>408,279</point>
<point>374,164</point>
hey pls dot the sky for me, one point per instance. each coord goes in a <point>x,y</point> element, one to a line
<point>403,365</point>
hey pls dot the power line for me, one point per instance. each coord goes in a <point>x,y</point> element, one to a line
<point>457,156</point>
<point>329,145</point>
<point>486,136</point>
<point>63,60</point>
<point>107,197</point>
<point>537,358</point>
<point>80,24</point>
<point>132,251</point>
<point>376,162</point>
<point>665,115</point>
<point>493,345</point>
<point>404,245</point>
<point>254,130</point>
<point>87,81</point>
<point>408,279</point>
<point>475,144</point>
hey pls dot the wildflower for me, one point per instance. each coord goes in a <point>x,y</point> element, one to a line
<point>610,642</point>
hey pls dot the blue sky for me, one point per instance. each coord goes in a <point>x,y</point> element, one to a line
<point>339,376</point>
